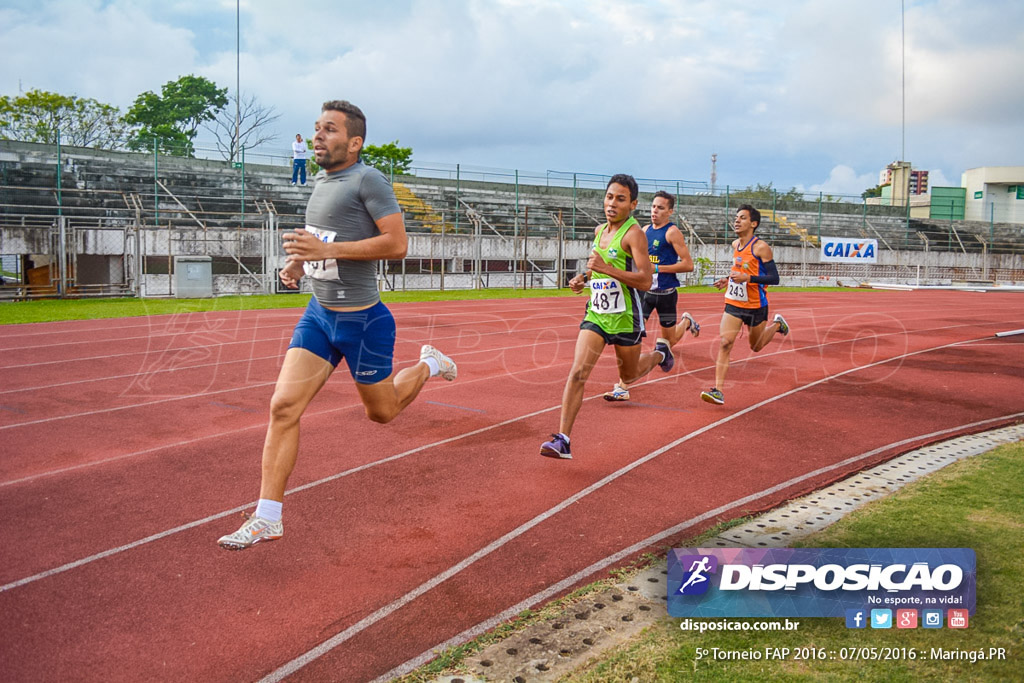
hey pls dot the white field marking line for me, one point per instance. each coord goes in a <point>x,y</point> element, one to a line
<point>186,318</point>
<point>276,339</point>
<point>121,549</point>
<point>438,388</point>
<point>214,331</point>
<point>572,580</point>
<point>250,359</point>
<point>107,378</point>
<point>479,554</point>
<point>279,339</point>
<point>185,397</point>
<point>1009,333</point>
<point>291,323</point>
<point>371,619</point>
<point>249,386</point>
<point>160,352</point>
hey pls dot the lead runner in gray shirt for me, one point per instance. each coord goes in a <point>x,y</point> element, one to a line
<point>345,207</point>
<point>353,220</point>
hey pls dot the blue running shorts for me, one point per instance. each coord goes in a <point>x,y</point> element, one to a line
<point>365,339</point>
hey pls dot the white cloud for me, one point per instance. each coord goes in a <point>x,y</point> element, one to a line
<point>783,93</point>
<point>843,180</point>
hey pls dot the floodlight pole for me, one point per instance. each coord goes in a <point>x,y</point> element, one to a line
<point>238,69</point>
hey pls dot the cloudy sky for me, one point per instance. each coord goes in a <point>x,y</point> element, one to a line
<point>803,93</point>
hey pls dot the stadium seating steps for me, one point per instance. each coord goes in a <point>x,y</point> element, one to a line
<point>110,186</point>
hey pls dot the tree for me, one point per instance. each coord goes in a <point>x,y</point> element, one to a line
<point>388,158</point>
<point>766,193</point>
<point>37,115</point>
<point>253,119</point>
<point>875,191</point>
<point>171,119</point>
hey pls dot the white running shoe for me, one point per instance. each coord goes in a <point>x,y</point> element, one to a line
<point>447,365</point>
<point>618,393</point>
<point>783,325</point>
<point>255,530</point>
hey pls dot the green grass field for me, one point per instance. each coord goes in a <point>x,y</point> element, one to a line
<point>976,503</point>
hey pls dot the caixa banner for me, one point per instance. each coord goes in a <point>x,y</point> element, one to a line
<point>816,582</point>
<point>846,250</point>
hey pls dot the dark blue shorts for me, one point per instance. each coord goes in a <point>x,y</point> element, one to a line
<point>365,339</point>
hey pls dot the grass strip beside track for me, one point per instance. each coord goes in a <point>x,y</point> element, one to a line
<point>975,504</point>
<point>53,310</point>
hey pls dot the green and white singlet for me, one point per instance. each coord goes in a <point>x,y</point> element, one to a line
<point>614,306</point>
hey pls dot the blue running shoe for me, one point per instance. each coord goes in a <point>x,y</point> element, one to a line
<point>670,360</point>
<point>558,447</point>
<point>694,326</point>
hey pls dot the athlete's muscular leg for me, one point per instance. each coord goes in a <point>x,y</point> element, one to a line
<point>728,330</point>
<point>762,334</point>
<point>589,346</point>
<point>633,365</point>
<point>384,400</point>
<point>302,375</point>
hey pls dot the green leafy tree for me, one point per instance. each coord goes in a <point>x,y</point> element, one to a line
<point>872,192</point>
<point>171,119</point>
<point>388,157</point>
<point>766,193</point>
<point>37,115</point>
<point>705,266</point>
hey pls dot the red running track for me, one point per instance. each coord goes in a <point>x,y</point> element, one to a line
<point>129,446</point>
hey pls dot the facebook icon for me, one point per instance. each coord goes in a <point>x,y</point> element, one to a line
<point>856,618</point>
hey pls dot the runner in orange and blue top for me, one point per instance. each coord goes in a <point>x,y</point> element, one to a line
<point>746,296</point>
<point>613,312</point>
<point>669,255</point>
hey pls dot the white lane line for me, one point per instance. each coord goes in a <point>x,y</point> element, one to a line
<point>280,338</point>
<point>382,613</point>
<point>225,330</point>
<point>650,541</point>
<point>751,358</point>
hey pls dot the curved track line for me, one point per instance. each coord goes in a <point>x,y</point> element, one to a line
<point>209,331</point>
<point>382,613</point>
<point>481,379</point>
<point>266,384</point>
<point>504,539</point>
<point>625,553</point>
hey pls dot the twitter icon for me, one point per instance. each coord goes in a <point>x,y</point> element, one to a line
<point>881,618</point>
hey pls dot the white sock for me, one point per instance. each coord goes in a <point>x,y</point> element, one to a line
<point>435,367</point>
<point>269,509</point>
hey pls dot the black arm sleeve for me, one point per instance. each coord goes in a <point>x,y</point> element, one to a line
<point>770,277</point>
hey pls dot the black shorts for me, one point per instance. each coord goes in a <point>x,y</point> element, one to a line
<point>751,317</point>
<point>621,339</point>
<point>662,301</point>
